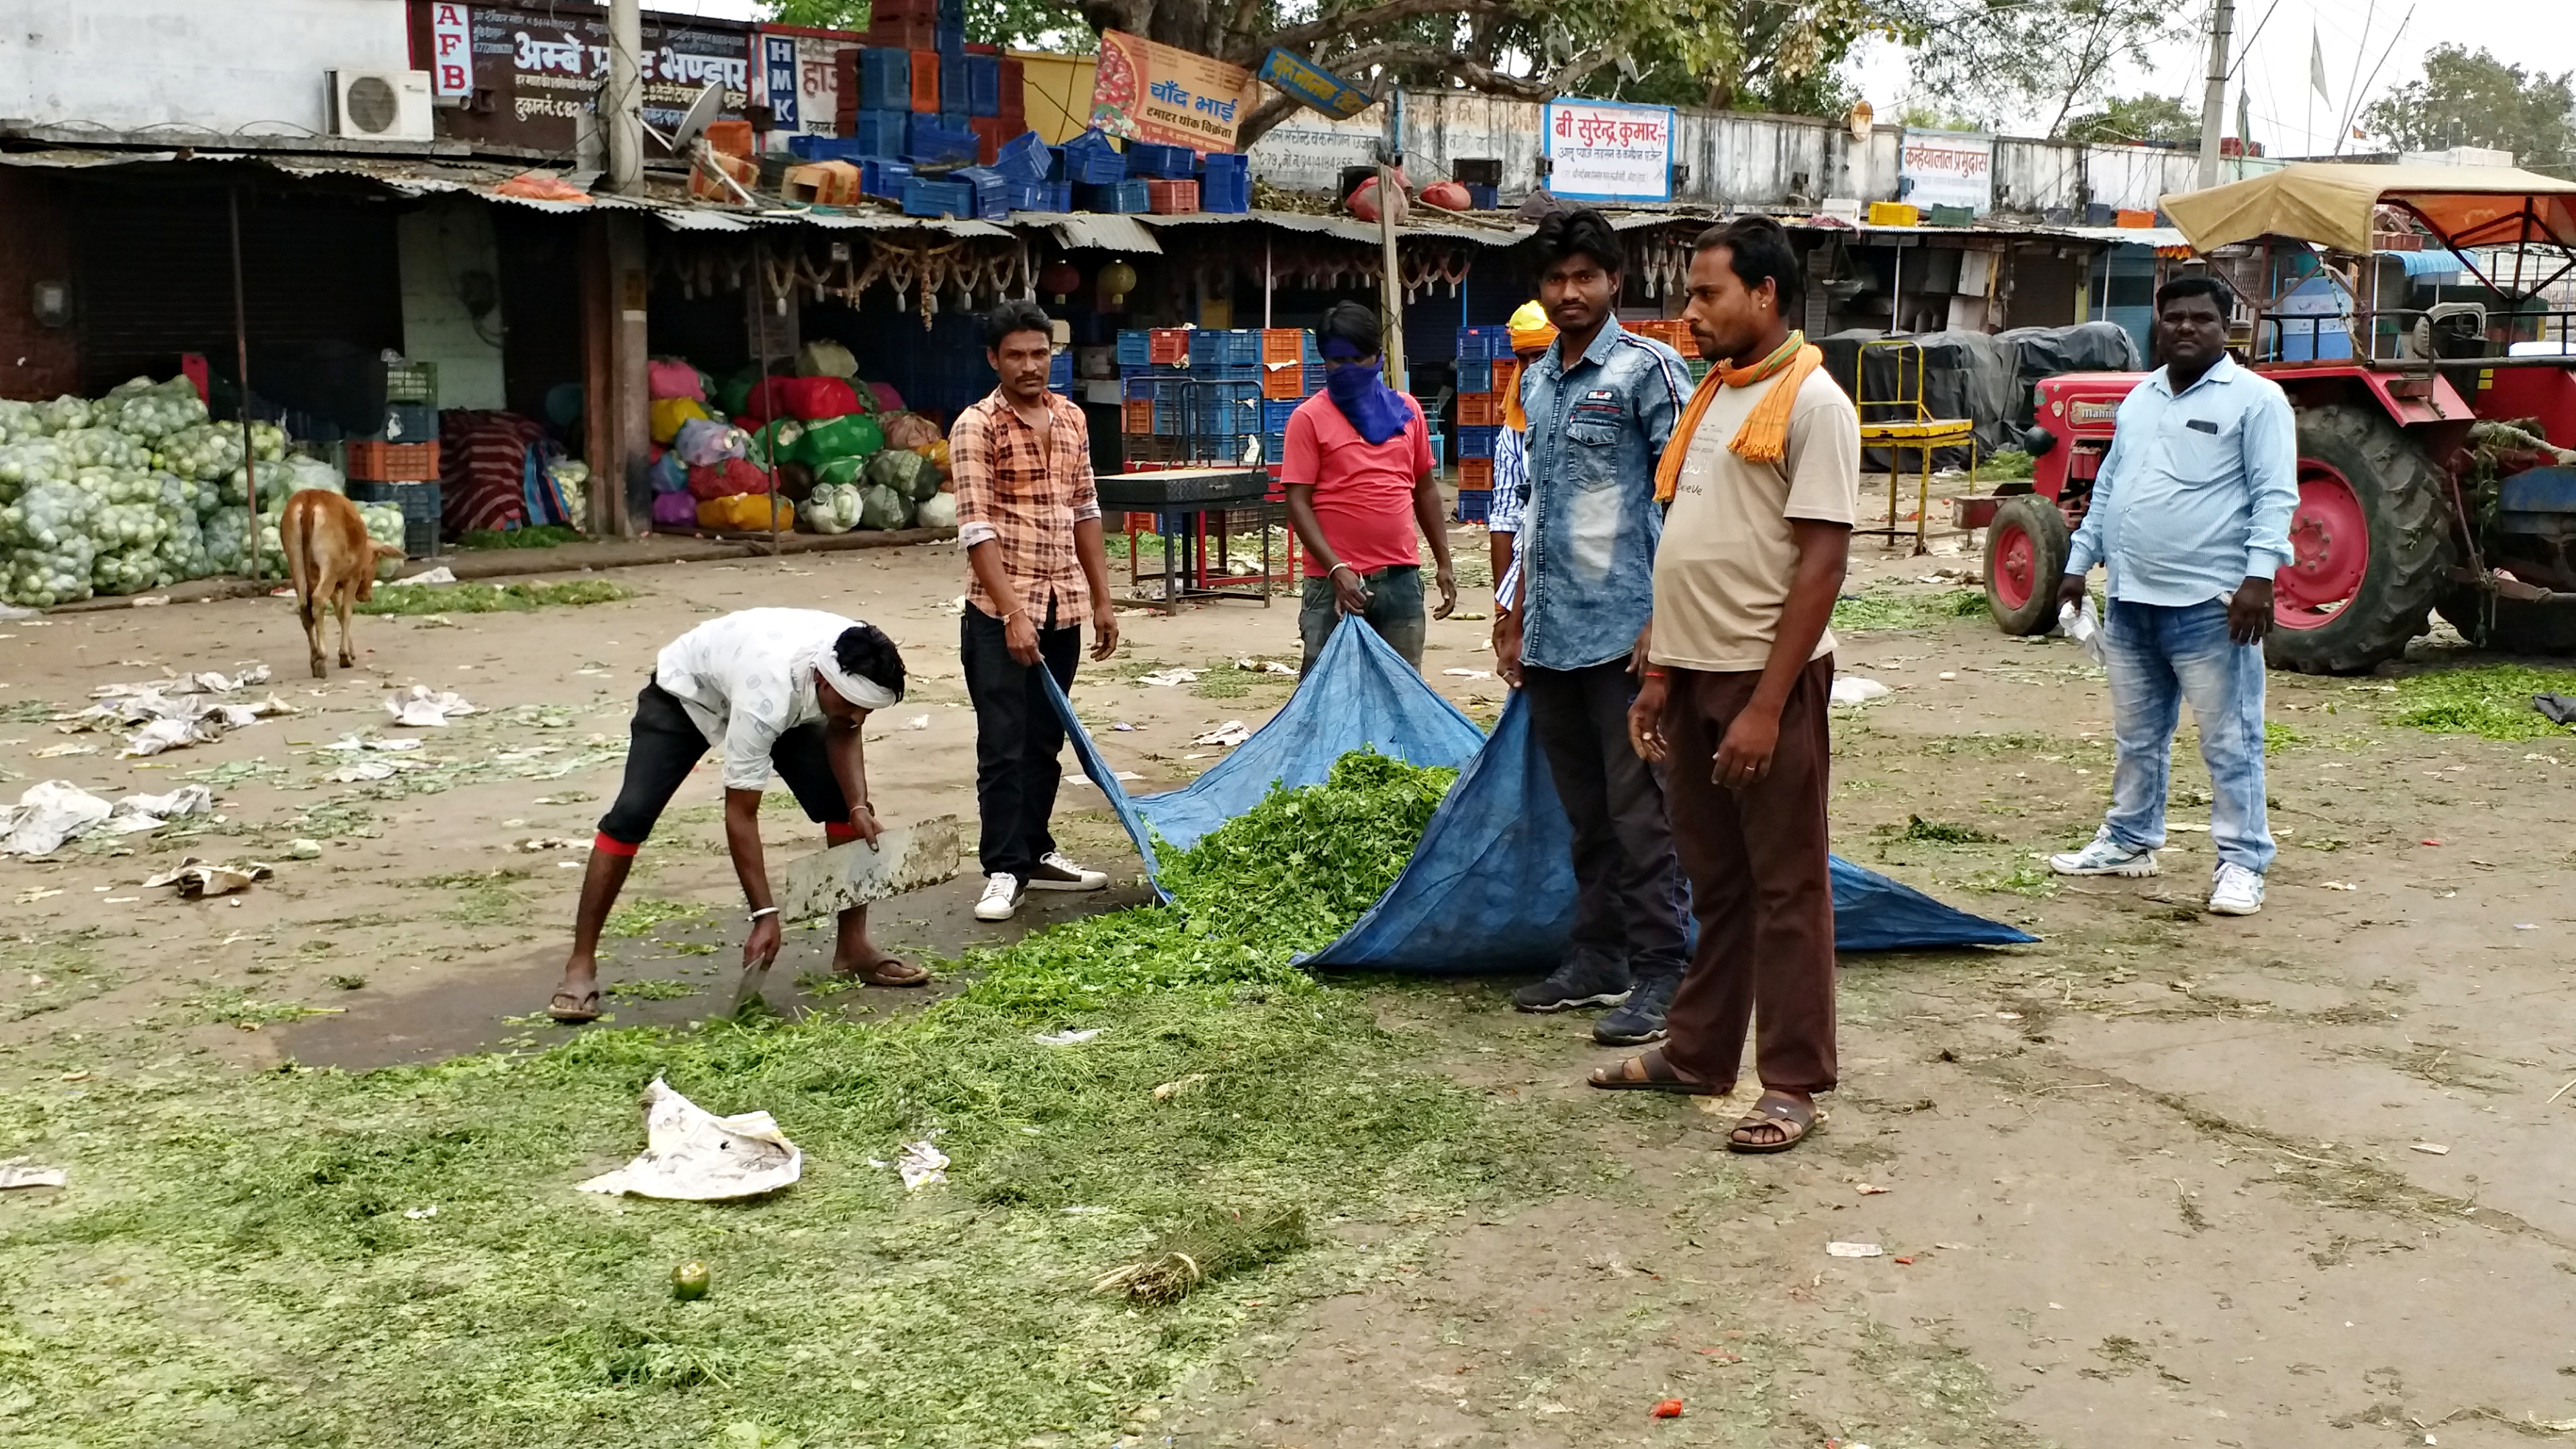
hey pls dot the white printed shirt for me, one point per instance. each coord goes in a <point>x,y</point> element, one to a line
<point>1511,495</point>
<point>747,678</point>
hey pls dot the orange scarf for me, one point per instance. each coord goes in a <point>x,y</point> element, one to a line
<point>1764,438</point>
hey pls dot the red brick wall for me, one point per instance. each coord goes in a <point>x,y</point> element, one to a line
<point>35,245</point>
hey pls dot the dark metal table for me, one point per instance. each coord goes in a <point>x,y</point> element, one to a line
<point>1185,496</point>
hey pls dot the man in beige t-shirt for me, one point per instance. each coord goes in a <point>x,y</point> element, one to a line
<point>1763,476</point>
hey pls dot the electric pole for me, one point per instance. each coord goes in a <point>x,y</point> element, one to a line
<point>621,101</point>
<point>2213,101</point>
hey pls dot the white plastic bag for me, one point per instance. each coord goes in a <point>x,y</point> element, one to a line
<point>2084,626</point>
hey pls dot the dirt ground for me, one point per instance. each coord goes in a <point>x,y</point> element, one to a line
<point>2163,1178</point>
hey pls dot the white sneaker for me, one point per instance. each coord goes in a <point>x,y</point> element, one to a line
<point>2235,891</point>
<point>2104,856</point>
<point>1055,873</point>
<point>1001,898</point>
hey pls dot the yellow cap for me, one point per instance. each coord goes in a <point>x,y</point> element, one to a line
<point>1530,318</point>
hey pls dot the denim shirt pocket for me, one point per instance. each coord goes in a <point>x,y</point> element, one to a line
<point>1591,455</point>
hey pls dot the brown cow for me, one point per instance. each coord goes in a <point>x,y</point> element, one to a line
<point>332,562</point>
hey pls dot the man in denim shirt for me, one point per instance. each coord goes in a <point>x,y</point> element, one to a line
<point>1601,403</point>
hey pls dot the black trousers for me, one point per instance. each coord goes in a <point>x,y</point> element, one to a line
<point>1018,738</point>
<point>1629,907</point>
<point>663,745</point>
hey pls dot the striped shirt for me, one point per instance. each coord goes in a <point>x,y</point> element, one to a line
<point>1511,495</point>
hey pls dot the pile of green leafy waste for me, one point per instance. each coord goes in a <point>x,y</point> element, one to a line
<point>1285,877</point>
<point>399,1257</point>
<point>2493,700</point>
<point>472,598</point>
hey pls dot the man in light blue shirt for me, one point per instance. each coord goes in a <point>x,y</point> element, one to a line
<point>2191,515</point>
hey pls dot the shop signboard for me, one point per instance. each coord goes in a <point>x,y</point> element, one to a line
<point>1947,168</point>
<point>537,70</point>
<point>1312,86</point>
<point>1609,151</point>
<point>1150,92</point>
<point>800,78</point>
<point>451,40</point>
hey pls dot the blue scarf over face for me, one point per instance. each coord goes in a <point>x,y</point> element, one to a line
<point>1375,410</point>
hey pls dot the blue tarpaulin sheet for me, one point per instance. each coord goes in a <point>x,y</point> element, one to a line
<point>1491,885</point>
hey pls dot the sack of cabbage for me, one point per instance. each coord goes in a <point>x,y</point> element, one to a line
<point>384,525</point>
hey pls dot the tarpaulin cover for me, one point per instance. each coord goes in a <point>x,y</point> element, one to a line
<point>1360,693</point>
<point>1491,885</point>
<point>2044,352</point>
<point>1964,375</point>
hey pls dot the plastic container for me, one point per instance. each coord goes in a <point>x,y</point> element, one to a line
<point>1114,197</point>
<point>1475,375</point>
<point>1135,349</point>
<point>1023,157</point>
<point>1895,213</point>
<point>420,510</point>
<point>1477,441</point>
<point>1147,158</point>
<point>411,382</point>
<point>928,143</point>
<point>1300,380</point>
<point>884,178</point>
<point>1168,345</point>
<point>1480,410</point>
<point>382,462</point>
<point>885,79</point>
<point>925,82</point>
<point>983,77</point>
<point>1090,159</point>
<point>1275,413</point>
<point>1136,415</point>
<point>993,195</point>
<point>1475,505</point>
<point>1171,198</point>
<point>1476,473</point>
<point>937,198</point>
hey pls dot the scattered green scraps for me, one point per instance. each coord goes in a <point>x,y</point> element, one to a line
<point>1874,609</point>
<point>2493,700</point>
<point>471,598</point>
<point>399,1258</point>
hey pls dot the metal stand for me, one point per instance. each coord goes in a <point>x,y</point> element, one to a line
<point>1914,431</point>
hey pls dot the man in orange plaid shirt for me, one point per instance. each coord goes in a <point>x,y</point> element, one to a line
<point>1029,521</point>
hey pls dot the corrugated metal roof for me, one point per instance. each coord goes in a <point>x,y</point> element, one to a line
<point>1094,230</point>
<point>1349,228</point>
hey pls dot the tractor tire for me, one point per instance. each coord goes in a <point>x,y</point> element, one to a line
<point>2512,626</point>
<point>2026,549</point>
<point>2370,542</point>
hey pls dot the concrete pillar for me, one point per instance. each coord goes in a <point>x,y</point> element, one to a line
<point>617,408</point>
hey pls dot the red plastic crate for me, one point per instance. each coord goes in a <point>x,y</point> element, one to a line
<point>990,133</point>
<point>1480,410</point>
<point>1014,86</point>
<point>925,82</point>
<point>1171,198</point>
<point>380,462</point>
<point>1476,473</point>
<point>1168,345</point>
<point>900,34</point>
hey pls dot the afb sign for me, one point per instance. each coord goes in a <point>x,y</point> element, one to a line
<point>1609,151</point>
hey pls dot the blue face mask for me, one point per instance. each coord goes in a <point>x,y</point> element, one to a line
<point>1373,408</point>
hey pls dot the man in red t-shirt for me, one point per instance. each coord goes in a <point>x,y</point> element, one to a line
<point>1358,470</point>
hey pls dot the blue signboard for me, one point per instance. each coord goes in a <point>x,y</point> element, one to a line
<point>778,62</point>
<point>1312,86</point>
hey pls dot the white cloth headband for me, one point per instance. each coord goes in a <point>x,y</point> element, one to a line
<point>857,689</point>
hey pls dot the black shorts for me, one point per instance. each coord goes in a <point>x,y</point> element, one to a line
<point>663,745</point>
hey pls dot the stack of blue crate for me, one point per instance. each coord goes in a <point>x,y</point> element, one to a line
<point>1475,374</point>
<point>1116,196</point>
<point>1090,160</point>
<point>1477,442</point>
<point>1483,344</point>
<point>885,79</point>
<point>883,178</point>
<point>995,193</point>
<point>1146,158</point>
<point>1135,350</point>
<point>937,198</point>
<point>983,85</point>
<point>1060,371</point>
<point>1227,183</point>
<point>932,142</point>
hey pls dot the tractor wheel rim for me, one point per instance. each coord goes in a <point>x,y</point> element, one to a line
<point>2016,560</point>
<point>2329,547</point>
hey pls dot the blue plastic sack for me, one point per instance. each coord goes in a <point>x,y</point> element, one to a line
<point>1360,693</point>
<point>1490,888</point>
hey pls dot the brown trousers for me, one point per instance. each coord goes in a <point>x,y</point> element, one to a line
<point>1761,888</point>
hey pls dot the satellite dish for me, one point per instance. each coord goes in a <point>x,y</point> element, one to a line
<point>1857,120</point>
<point>702,113</point>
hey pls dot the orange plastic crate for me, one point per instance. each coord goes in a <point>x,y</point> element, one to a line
<point>1480,410</point>
<point>925,83</point>
<point>1167,345</point>
<point>1476,473</point>
<point>1282,344</point>
<point>1507,376</point>
<point>1139,416</point>
<point>379,462</point>
<point>1283,380</point>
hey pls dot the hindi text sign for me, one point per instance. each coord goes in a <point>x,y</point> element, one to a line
<point>1144,91</point>
<point>1947,168</point>
<point>1609,151</point>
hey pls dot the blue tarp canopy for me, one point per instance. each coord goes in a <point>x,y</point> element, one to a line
<point>1491,885</point>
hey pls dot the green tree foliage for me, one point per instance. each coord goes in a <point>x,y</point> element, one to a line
<point>2127,120</point>
<point>1997,59</point>
<point>2466,99</point>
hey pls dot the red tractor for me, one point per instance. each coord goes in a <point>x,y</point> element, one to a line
<point>2434,434</point>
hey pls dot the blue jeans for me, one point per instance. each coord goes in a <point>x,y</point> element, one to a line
<point>2157,657</point>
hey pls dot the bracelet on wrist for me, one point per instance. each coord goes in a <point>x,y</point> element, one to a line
<point>763,911</point>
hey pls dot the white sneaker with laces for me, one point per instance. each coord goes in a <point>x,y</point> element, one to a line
<point>2235,891</point>
<point>1001,898</point>
<point>1055,873</point>
<point>2104,856</point>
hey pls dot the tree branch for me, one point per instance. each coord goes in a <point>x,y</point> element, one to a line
<point>1334,27</point>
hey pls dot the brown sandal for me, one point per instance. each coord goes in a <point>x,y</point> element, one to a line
<point>887,971</point>
<point>1791,1118</point>
<point>1648,1071</point>
<point>572,1008</point>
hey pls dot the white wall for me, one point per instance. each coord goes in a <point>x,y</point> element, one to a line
<point>252,66</point>
<point>441,243</point>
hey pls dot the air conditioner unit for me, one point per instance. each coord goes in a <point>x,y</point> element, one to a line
<point>380,105</point>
